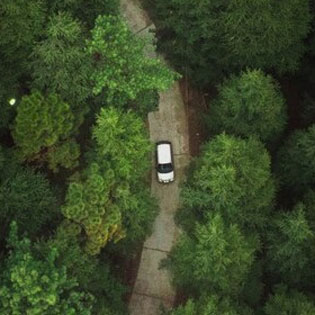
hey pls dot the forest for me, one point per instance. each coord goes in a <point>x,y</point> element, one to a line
<point>76,156</point>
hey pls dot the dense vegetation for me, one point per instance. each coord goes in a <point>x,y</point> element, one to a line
<point>247,210</point>
<point>75,155</point>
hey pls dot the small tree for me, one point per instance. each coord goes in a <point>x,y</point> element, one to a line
<point>296,160</point>
<point>249,105</point>
<point>216,257</point>
<point>122,142</point>
<point>284,302</point>
<point>289,247</point>
<point>212,305</point>
<point>33,284</point>
<point>233,177</point>
<point>61,64</point>
<point>121,67</point>
<point>41,126</point>
<point>27,198</point>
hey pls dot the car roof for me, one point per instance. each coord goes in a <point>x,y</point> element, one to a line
<point>164,152</point>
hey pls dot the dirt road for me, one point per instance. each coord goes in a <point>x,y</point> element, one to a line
<point>153,286</point>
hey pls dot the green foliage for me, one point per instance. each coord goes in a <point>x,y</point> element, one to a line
<point>27,198</point>
<point>40,123</point>
<point>33,284</point>
<point>146,101</point>
<point>139,210</point>
<point>18,31</point>
<point>211,305</point>
<point>253,44</point>
<point>88,204</point>
<point>93,274</point>
<point>121,67</point>
<point>85,11</point>
<point>105,201</point>
<point>285,302</point>
<point>233,177</point>
<point>214,37</point>
<point>216,257</point>
<point>290,243</point>
<point>122,143</point>
<point>296,160</point>
<point>65,155</point>
<point>61,64</point>
<point>2,158</point>
<point>249,105</point>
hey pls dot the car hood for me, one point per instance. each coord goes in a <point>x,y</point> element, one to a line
<point>166,177</point>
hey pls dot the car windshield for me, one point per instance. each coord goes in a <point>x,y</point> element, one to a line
<point>165,168</point>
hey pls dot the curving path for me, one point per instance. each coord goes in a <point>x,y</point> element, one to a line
<point>153,286</point>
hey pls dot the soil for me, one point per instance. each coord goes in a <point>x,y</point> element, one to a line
<point>196,106</point>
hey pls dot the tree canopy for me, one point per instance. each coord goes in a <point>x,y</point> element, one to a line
<point>284,302</point>
<point>249,105</point>
<point>296,160</point>
<point>217,257</point>
<point>214,37</point>
<point>35,285</point>
<point>121,67</point>
<point>232,176</point>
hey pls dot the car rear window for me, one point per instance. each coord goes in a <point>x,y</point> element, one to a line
<point>165,168</point>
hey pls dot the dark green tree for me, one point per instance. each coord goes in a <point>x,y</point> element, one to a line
<point>85,11</point>
<point>213,37</point>
<point>232,176</point>
<point>212,305</point>
<point>27,198</point>
<point>284,302</point>
<point>33,284</point>
<point>61,64</point>
<point>249,105</point>
<point>93,274</point>
<point>21,25</point>
<point>217,258</point>
<point>289,246</point>
<point>296,160</point>
<point>122,69</point>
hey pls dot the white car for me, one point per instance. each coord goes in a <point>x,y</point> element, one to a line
<point>164,162</point>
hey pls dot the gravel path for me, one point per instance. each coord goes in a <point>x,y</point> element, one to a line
<point>153,286</point>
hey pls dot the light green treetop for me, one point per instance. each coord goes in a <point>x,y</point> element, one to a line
<point>121,67</point>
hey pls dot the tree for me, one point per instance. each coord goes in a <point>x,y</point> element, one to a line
<point>217,37</point>
<point>289,246</point>
<point>279,46</point>
<point>19,31</point>
<point>61,64</point>
<point>212,305</point>
<point>122,141</point>
<point>232,176</point>
<point>93,274</point>
<point>121,68</point>
<point>41,126</point>
<point>85,11</point>
<point>104,200</point>
<point>27,198</point>
<point>88,204</point>
<point>284,302</point>
<point>216,258</point>
<point>249,105</point>
<point>296,160</point>
<point>33,284</point>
